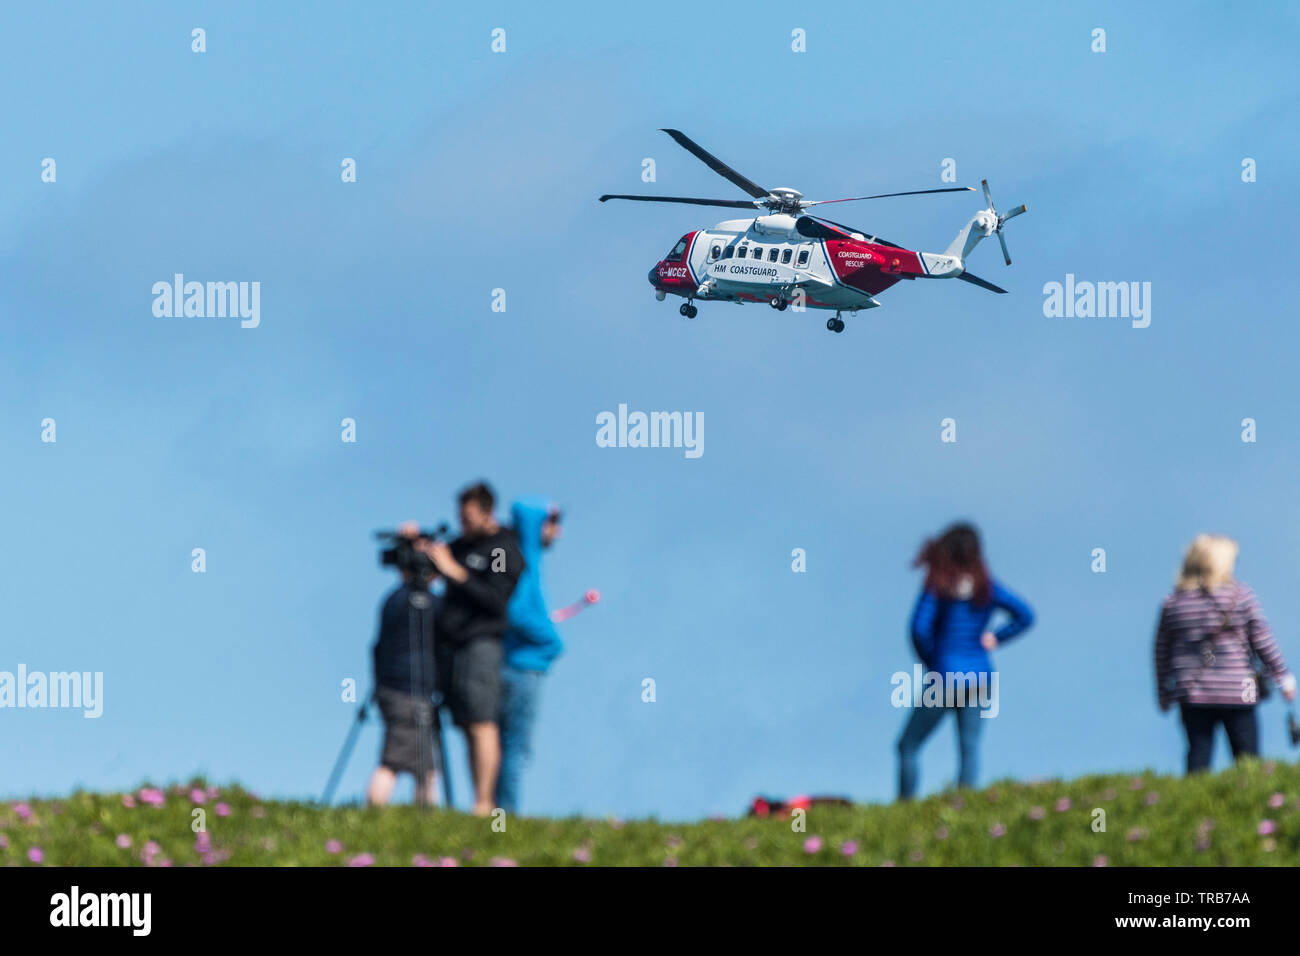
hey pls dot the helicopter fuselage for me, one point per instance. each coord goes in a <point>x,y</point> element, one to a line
<point>764,259</point>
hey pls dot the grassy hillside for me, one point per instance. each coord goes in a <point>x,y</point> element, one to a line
<point>1247,815</point>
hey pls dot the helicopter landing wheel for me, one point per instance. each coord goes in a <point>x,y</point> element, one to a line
<point>689,310</point>
<point>835,324</point>
<point>778,303</point>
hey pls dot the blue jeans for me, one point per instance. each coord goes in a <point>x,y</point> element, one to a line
<point>919,726</point>
<point>519,694</point>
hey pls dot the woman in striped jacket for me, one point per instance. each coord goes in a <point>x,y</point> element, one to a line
<point>1211,628</point>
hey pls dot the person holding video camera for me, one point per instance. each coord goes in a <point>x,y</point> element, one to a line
<point>404,689</point>
<point>481,569</point>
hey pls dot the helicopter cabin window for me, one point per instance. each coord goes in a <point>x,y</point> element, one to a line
<point>785,257</point>
<point>758,252</point>
<point>715,253</point>
<point>771,256</point>
<point>678,251</point>
<point>728,252</point>
<point>803,257</point>
<point>742,251</point>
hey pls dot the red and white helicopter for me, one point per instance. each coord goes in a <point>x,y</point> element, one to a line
<point>784,256</point>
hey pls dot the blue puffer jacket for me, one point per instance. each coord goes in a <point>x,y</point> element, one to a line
<point>532,641</point>
<point>946,633</point>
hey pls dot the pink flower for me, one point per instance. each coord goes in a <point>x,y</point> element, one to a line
<point>362,859</point>
<point>4,842</point>
<point>1062,805</point>
<point>223,809</point>
<point>1266,827</point>
<point>202,842</point>
<point>421,860</point>
<point>123,841</point>
<point>997,830</point>
<point>503,861</point>
<point>582,855</point>
<point>1276,800</point>
<point>152,796</point>
<point>448,861</point>
<point>152,849</point>
<point>23,810</point>
<point>1135,783</point>
<point>36,855</point>
<point>849,847</point>
<point>198,796</point>
<point>213,792</point>
<point>333,846</point>
<point>1100,860</point>
<point>812,844</point>
<point>128,801</point>
<point>1037,813</point>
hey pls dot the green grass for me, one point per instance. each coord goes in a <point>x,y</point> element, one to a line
<point>1248,815</point>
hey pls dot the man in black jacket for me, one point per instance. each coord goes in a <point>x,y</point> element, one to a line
<point>404,687</point>
<point>480,568</point>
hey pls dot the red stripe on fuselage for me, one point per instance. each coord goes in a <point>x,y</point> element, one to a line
<point>869,267</point>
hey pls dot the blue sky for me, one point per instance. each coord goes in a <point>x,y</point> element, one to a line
<point>479,171</point>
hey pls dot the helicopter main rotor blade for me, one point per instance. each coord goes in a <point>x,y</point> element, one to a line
<point>727,203</point>
<point>983,284</point>
<point>717,165</point>
<point>914,192</point>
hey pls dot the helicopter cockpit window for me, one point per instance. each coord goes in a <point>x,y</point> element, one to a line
<point>771,256</point>
<point>758,252</point>
<point>803,257</point>
<point>785,256</point>
<point>678,251</point>
<point>715,253</point>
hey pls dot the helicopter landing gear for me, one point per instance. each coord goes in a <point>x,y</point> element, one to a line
<point>778,303</point>
<point>835,323</point>
<point>688,310</point>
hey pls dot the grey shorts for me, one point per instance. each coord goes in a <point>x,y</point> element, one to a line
<point>410,730</point>
<point>469,676</point>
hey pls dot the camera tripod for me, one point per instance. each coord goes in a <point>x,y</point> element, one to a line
<point>420,608</point>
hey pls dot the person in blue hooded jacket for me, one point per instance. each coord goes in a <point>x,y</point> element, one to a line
<point>531,644</point>
<point>952,636</point>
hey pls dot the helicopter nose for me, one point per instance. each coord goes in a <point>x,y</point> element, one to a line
<point>652,275</point>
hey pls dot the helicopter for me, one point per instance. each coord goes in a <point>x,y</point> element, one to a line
<point>784,256</point>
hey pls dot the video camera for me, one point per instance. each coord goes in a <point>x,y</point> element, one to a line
<point>403,554</point>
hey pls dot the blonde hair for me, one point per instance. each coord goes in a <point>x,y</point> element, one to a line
<point>1208,564</point>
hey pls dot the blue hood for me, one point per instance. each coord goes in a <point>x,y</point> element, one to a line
<point>531,641</point>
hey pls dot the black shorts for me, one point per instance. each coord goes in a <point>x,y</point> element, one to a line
<point>410,730</point>
<point>469,676</point>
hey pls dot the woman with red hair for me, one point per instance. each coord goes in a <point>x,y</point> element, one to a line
<point>950,631</point>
